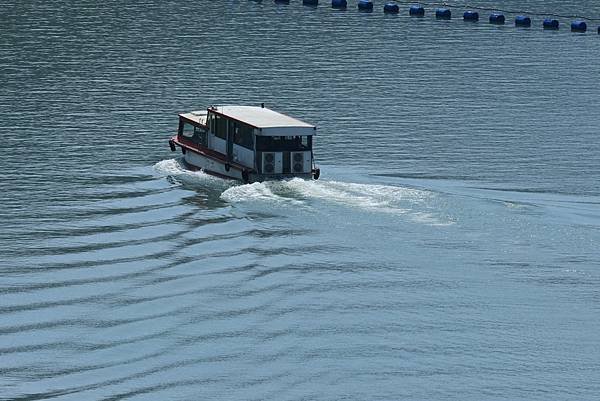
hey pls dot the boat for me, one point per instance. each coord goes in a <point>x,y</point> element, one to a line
<point>246,143</point>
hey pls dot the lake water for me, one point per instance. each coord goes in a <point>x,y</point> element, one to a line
<point>450,249</point>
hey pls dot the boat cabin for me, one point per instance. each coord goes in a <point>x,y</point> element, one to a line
<point>260,140</point>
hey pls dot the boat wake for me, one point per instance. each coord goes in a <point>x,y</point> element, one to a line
<point>174,169</point>
<point>420,205</point>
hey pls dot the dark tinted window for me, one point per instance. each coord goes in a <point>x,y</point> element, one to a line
<point>220,127</point>
<point>242,135</point>
<point>281,143</point>
<point>200,136</point>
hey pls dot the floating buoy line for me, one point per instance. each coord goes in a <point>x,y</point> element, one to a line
<point>442,11</point>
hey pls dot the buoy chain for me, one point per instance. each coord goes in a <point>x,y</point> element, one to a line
<point>466,5</point>
<point>391,7</point>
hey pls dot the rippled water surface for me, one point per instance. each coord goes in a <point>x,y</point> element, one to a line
<point>449,250</point>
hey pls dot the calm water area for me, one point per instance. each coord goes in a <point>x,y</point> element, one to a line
<point>450,250</point>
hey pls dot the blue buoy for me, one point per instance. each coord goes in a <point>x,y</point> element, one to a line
<point>339,4</point>
<point>550,24</point>
<point>496,18</point>
<point>416,11</point>
<point>391,8</point>
<point>443,13</point>
<point>365,5</point>
<point>310,2</point>
<point>471,16</point>
<point>578,26</point>
<point>522,20</point>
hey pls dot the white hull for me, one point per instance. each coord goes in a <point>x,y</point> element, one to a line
<point>224,170</point>
<point>211,166</point>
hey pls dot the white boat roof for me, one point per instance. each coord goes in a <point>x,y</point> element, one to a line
<point>269,122</point>
<point>196,116</point>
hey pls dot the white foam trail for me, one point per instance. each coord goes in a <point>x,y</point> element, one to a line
<point>174,168</point>
<point>381,198</point>
<point>414,203</point>
<point>256,191</point>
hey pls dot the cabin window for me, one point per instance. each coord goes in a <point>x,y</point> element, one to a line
<point>242,135</point>
<point>283,143</point>
<point>210,121</point>
<point>188,130</point>
<point>200,136</point>
<point>220,127</point>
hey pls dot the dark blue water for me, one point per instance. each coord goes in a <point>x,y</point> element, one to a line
<point>449,251</point>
